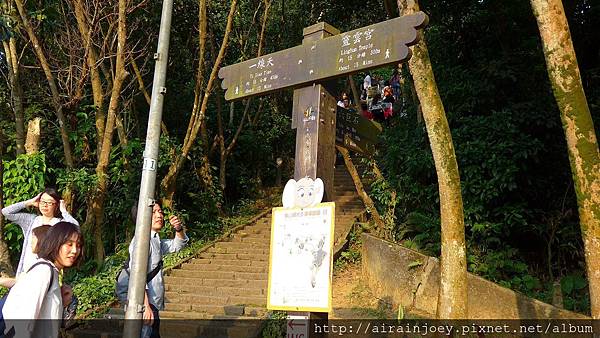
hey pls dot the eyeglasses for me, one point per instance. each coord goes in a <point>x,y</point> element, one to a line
<point>46,203</point>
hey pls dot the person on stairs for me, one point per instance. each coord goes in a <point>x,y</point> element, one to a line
<point>154,297</point>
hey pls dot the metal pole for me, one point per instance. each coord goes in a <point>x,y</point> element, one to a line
<point>139,261</point>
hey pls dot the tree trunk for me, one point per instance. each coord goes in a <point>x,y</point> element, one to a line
<point>169,182</point>
<point>198,111</point>
<point>16,92</point>
<point>355,93</point>
<point>6,268</point>
<point>64,129</point>
<point>101,168</point>
<point>92,59</point>
<point>380,229</point>
<point>32,145</point>
<point>580,135</point>
<point>452,300</point>
<point>390,9</point>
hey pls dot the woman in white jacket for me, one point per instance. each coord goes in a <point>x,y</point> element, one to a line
<point>37,294</point>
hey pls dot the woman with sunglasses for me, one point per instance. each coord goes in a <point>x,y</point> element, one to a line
<point>52,210</point>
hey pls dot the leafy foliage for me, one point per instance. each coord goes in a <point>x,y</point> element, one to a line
<point>275,325</point>
<point>24,178</point>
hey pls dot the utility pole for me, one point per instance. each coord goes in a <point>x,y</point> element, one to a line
<point>139,259</point>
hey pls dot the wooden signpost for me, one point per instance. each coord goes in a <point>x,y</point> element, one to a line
<point>316,60</point>
<point>324,54</point>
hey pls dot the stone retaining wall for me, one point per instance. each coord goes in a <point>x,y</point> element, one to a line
<point>403,276</point>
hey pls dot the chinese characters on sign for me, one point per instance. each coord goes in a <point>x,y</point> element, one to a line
<point>368,47</point>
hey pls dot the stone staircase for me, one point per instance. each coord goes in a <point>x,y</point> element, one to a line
<point>229,279</point>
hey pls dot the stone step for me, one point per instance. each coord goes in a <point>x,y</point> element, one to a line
<point>174,315</point>
<point>256,230</point>
<point>348,212</point>
<point>231,275</point>
<point>219,267</point>
<point>95,333</point>
<point>345,193</point>
<point>192,298</point>
<point>215,326</point>
<point>237,283</point>
<point>266,232</point>
<point>346,198</point>
<point>241,250</point>
<point>238,245</point>
<point>235,256</point>
<point>230,262</point>
<point>345,207</point>
<point>211,309</point>
<point>246,234</point>
<point>350,202</point>
<point>219,331</point>
<point>251,240</point>
<point>216,290</point>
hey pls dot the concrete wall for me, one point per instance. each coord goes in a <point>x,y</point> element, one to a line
<point>394,274</point>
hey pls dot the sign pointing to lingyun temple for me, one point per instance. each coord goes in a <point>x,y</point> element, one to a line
<point>361,49</point>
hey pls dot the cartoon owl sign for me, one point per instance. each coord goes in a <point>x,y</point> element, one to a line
<point>303,193</point>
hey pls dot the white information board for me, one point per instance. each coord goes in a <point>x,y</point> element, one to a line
<point>300,262</point>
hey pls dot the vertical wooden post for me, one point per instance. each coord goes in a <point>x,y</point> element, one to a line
<point>313,116</point>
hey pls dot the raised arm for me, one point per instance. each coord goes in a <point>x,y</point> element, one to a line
<point>65,214</point>
<point>180,240</point>
<point>23,219</point>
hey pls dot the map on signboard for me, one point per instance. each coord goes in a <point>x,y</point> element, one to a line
<point>300,264</point>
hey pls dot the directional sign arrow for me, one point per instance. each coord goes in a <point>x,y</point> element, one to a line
<point>368,47</point>
<point>291,324</point>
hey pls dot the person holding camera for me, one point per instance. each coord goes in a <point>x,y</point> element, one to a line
<point>154,295</point>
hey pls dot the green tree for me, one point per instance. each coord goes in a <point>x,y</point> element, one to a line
<point>580,134</point>
<point>453,296</point>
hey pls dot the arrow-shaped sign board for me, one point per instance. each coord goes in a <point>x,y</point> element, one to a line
<point>355,132</point>
<point>297,325</point>
<point>373,46</point>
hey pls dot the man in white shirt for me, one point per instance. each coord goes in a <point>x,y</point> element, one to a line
<point>155,288</point>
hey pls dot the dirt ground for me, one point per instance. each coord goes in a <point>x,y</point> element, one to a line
<point>353,299</point>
